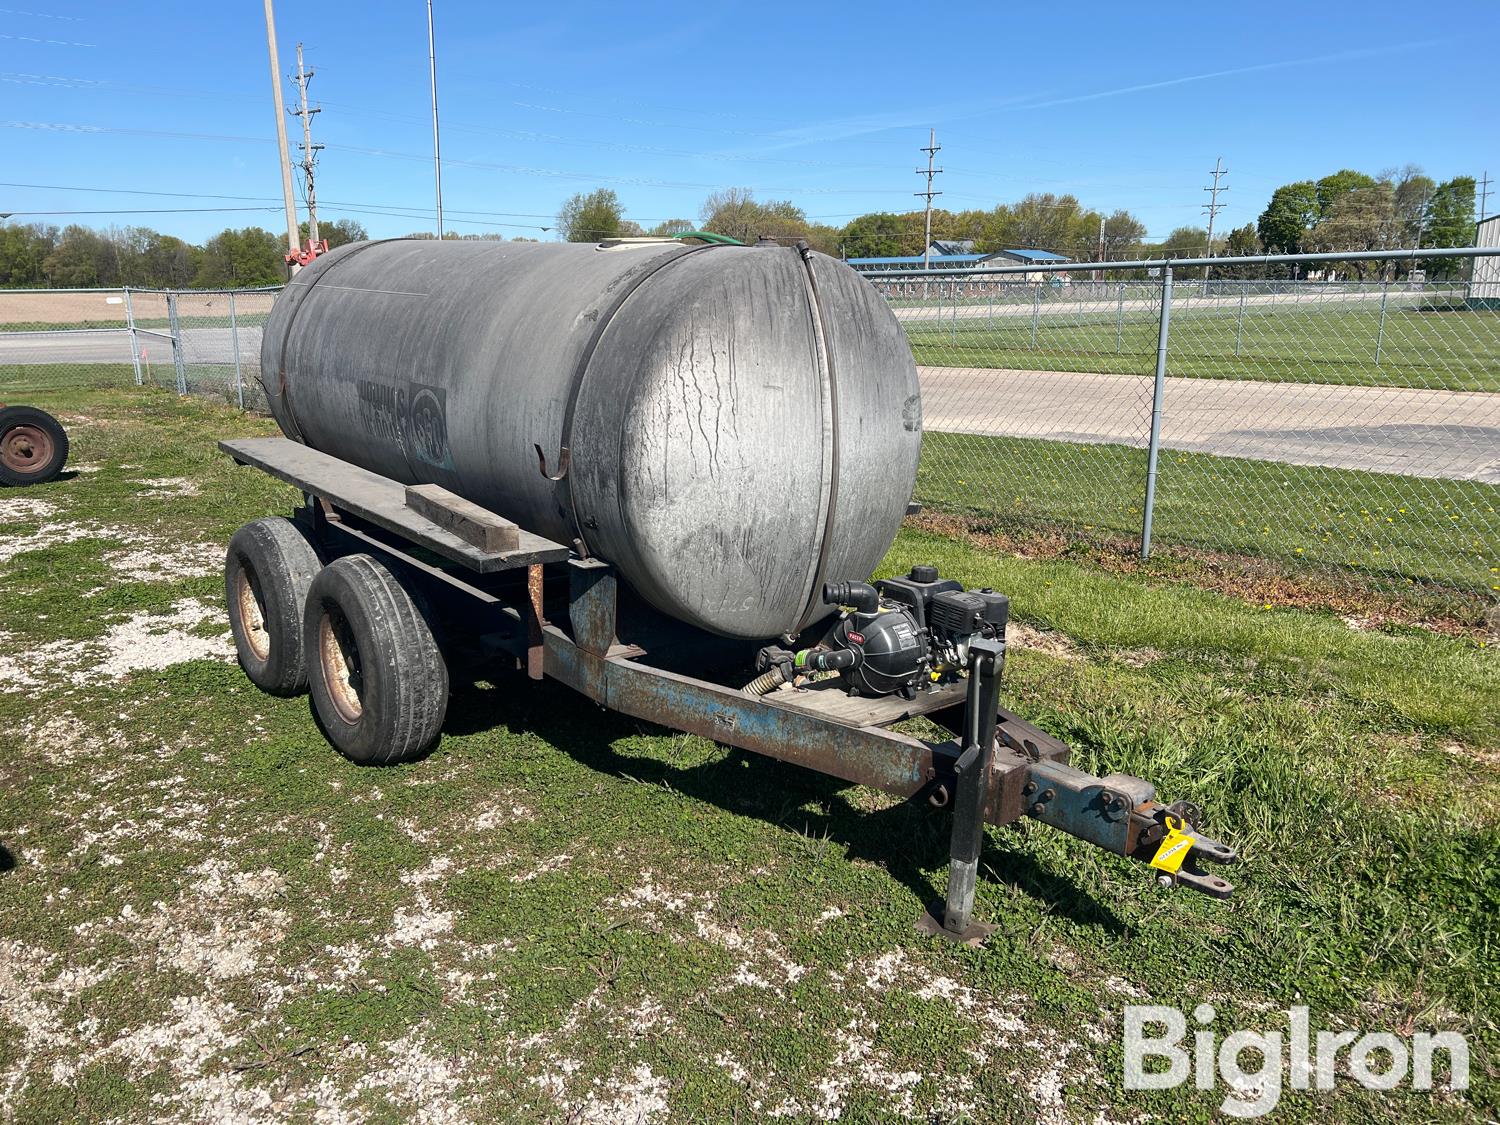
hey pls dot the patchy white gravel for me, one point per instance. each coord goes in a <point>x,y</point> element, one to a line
<point>170,486</point>
<point>25,509</point>
<point>141,642</point>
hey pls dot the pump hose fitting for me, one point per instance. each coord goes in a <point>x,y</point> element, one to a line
<point>860,596</point>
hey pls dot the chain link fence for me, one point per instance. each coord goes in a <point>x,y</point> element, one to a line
<point>193,341</point>
<point>1343,427</point>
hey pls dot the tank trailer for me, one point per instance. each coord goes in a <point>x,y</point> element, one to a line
<point>734,433</point>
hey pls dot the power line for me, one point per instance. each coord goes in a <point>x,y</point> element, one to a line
<point>147,211</point>
<point>932,149</point>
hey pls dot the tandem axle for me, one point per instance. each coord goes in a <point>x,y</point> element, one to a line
<point>349,598</point>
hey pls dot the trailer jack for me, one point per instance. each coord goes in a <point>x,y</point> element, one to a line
<point>998,772</point>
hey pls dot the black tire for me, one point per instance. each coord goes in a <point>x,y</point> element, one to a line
<point>377,678</point>
<point>33,446</point>
<point>268,570</point>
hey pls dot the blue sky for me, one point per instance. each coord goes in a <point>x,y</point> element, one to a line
<point>826,105</point>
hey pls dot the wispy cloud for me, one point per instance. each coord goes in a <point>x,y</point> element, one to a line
<point>1315,60</point>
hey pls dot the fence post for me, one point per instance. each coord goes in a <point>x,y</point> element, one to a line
<point>177,363</point>
<point>234,336</point>
<point>1120,319</point>
<point>1385,290</point>
<point>1157,394</point>
<point>1239,324</point>
<point>1036,308</point>
<point>135,342</point>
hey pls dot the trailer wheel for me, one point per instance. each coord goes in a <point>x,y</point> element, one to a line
<point>267,572</point>
<point>33,445</point>
<point>378,682</point>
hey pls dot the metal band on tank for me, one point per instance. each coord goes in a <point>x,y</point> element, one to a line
<point>820,572</point>
<point>575,388</point>
<point>292,318</point>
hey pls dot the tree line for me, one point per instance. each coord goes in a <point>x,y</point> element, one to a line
<point>80,257</point>
<point>1345,211</point>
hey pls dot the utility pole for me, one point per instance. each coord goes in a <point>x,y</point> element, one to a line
<point>286,161</point>
<point>1213,207</point>
<point>931,150</point>
<point>437,159</point>
<point>309,150</point>
<point>1484,195</point>
<point>1099,255</point>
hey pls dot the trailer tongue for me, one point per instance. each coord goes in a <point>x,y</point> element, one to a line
<point>829,700</point>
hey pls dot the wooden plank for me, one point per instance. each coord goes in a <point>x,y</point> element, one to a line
<point>476,526</point>
<point>382,502</point>
<point>829,700</point>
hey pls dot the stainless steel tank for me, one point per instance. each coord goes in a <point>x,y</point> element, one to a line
<point>737,424</point>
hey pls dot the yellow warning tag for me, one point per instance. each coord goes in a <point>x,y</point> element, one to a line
<point>1174,847</point>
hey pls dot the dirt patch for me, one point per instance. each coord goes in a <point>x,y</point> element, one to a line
<point>1037,640</point>
<point>1254,581</point>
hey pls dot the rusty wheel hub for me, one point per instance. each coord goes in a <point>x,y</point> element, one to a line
<point>339,657</point>
<point>25,448</point>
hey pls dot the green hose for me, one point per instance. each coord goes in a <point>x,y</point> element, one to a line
<point>709,236</point>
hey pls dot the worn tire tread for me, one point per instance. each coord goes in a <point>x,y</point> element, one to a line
<point>408,721</point>
<point>285,562</point>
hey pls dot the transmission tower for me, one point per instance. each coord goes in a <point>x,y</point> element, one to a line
<point>309,150</point>
<point>931,150</point>
<point>1213,206</point>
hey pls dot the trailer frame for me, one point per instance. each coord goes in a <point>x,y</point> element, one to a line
<point>566,625</point>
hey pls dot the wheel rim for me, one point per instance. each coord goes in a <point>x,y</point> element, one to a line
<point>252,614</point>
<point>339,660</point>
<point>25,448</point>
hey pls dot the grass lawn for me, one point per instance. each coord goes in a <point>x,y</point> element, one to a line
<point>1445,350</point>
<point>564,915</point>
<point>1370,528</point>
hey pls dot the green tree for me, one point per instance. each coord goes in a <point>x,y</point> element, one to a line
<point>1242,242</point>
<point>236,259</point>
<point>82,258</point>
<point>1412,192</point>
<point>1363,218</point>
<point>672,227</point>
<point>1288,217</point>
<point>339,232</point>
<point>873,236</point>
<point>1184,242</point>
<point>1122,235</point>
<point>23,250</point>
<point>735,213</point>
<point>1330,188</point>
<point>1450,222</point>
<point>590,217</point>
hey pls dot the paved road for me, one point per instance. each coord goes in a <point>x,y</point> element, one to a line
<point>1103,304</point>
<point>202,345</point>
<point>1424,433</point>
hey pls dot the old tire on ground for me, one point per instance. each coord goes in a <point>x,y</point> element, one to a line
<point>33,445</point>
<point>268,570</point>
<point>377,678</point>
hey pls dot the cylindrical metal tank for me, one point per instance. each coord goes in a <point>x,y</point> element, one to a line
<point>741,424</point>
